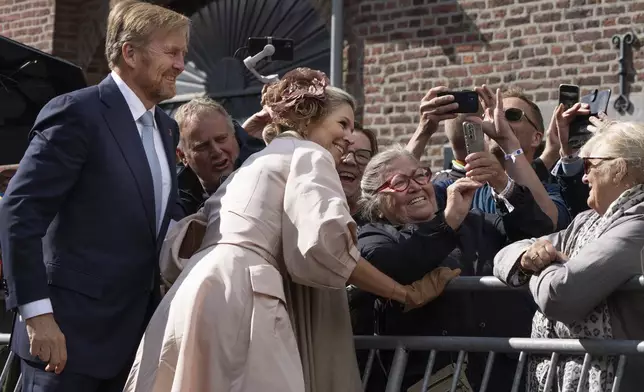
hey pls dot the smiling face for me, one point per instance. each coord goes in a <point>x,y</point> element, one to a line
<point>155,67</point>
<point>417,203</point>
<point>352,165</point>
<point>333,132</point>
<point>209,148</point>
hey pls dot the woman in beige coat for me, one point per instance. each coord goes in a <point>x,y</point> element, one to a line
<point>254,309</point>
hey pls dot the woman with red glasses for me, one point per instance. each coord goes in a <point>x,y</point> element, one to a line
<point>574,274</point>
<point>412,232</point>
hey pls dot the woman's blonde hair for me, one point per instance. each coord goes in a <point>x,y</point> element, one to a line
<point>301,98</point>
<point>371,201</point>
<point>135,22</point>
<point>619,139</point>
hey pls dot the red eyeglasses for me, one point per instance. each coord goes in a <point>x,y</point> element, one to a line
<point>589,165</point>
<point>400,182</point>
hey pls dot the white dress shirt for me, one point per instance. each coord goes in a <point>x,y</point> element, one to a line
<point>137,109</point>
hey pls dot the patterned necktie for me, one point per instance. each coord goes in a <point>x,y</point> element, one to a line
<point>147,137</point>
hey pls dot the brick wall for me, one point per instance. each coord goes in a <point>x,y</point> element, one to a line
<point>28,21</point>
<point>398,49</point>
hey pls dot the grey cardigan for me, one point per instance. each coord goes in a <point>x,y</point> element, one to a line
<point>568,292</point>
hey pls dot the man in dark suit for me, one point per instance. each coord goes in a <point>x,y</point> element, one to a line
<point>84,217</point>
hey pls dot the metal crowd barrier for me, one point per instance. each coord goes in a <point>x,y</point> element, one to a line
<point>4,340</point>
<point>523,346</point>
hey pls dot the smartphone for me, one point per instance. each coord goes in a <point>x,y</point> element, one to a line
<point>283,47</point>
<point>598,101</point>
<point>468,101</point>
<point>474,137</point>
<point>568,95</point>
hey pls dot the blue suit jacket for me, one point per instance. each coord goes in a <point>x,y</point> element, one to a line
<point>77,226</point>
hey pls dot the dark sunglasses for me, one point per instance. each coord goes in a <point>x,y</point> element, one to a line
<point>400,182</point>
<point>361,156</point>
<point>589,165</point>
<point>515,115</point>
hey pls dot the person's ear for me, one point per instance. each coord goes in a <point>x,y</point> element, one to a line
<point>128,53</point>
<point>181,156</point>
<point>537,137</point>
<point>619,171</point>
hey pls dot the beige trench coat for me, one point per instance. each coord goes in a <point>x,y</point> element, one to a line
<point>262,306</point>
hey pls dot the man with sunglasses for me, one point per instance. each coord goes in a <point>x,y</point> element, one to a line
<point>525,121</point>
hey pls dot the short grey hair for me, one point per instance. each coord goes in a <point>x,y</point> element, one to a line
<point>619,139</point>
<point>374,176</point>
<point>198,107</point>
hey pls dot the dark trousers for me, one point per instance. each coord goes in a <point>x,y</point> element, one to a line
<point>36,379</point>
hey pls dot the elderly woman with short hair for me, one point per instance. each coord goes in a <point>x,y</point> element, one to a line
<point>412,232</point>
<point>574,274</point>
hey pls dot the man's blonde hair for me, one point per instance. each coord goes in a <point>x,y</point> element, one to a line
<point>135,22</point>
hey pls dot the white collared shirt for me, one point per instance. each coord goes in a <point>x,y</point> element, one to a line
<point>137,109</point>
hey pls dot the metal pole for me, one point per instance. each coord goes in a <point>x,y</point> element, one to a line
<point>337,40</point>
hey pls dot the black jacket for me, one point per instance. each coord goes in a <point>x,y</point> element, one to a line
<point>191,192</point>
<point>408,253</point>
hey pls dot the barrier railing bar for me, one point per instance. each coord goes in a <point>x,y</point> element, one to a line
<point>488,371</point>
<point>367,368</point>
<point>619,374</point>
<point>506,345</point>
<point>490,283</point>
<point>428,370</point>
<point>18,384</point>
<point>551,372</point>
<point>397,373</point>
<point>4,338</point>
<point>519,372</point>
<point>584,373</point>
<point>457,373</point>
<point>5,368</point>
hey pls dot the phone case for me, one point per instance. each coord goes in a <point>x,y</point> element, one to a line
<point>468,101</point>
<point>474,139</point>
<point>598,101</point>
<point>568,95</point>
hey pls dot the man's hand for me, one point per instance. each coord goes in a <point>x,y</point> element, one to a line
<point>540,255</point>
<point>47,342</point>
<point>434,109</point>
<point>496,126</point>
<point>483,167</point>
<point>488,100</point>
<point>596,123</point>
<point>563,119</point>
<point>459,201</point>
<point>254,125</point>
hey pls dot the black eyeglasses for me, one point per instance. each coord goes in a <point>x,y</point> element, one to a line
<point>361,156</point>
<point>400,182</point>
<point>589,165</point>
<point>515,115</point>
